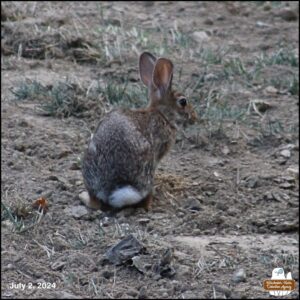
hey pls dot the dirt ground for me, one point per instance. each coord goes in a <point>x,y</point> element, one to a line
<point>225,212</point>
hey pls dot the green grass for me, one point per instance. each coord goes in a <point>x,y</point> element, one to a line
<point>65,99</point>
<point>235,67</point>
<point>208,56</point>
<point>283,56</point>
<point>124,95</point>
<point>288,84</point>
<point>20,224</point>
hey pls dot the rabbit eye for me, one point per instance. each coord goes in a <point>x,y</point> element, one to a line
<point>182,102</point>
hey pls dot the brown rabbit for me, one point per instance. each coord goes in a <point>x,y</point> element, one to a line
<point>120,162</point>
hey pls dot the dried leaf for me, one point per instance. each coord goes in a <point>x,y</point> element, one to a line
<point>41,204</point>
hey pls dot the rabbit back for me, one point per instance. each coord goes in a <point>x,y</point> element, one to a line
<point>121,157</point>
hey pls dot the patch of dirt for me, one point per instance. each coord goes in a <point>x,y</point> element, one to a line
<point>227,194</point>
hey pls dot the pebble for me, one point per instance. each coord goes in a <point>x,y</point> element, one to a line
<point>267,6</point>
<point>132,292</point>
<point>74,166</point>
<point>239,276</point>
<point>225,150</point>
<point>76,211</point>
<point>7,224</point>
<point>220,18</point>
<point>210,77</point>
<point>192,204</point>
<point>293,170</point>
<point>262,24</point>
<point>209,21</point>
<point>142,293</point>
<point>183,271</point>
<point>271,90</point>
<point>223,289</point>
<point>252,181</point>
<point>107,274</point>
<point>288,14</point>
<point>57,265</point>
<point>285,153</point>
<point>200,36</point>
<point>144,221</point>
<point>287,185</point>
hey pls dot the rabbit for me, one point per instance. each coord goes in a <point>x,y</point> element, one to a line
<point>119,164</point>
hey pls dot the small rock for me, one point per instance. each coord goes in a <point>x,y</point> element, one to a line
<point>261,24</point>
<point>107,274</point>
<point>209,21</point>
<point>279,196</point>
<point>210,77</point>
<point>143,290</point>
<point>285,153</point>
<point>183,271</point>
<point>139,263</point>
<point>144,221</point>
<point>167,257</point>
<point>23,123</point>
<point>132,292</point>
<point>267,6</point>
<point>286,227</point>
<point>57,265</point>
<point>222,206</point>
<point>52,177</point>
<point>251,182</point>
<point>281,160</point>
<point>113,22</point>
<point>63,153</point>
<point>287,185</point>
<point>8,267</point>
<point>200,36</point>
<point>220,18</point>
<point>21,146</point>
<point>156,277</point>
<point>148,3</point>
<point>288,178</point>
<point>290,147</point>
<point>239,276</point>
<point>76,211</point>
<point>192,204</point>
<point>74,166</point>
<point>223,290</point>
<point>293,170</point>
<point>288,14</point>
<point>225,150</point>
<point>7,224</point>
<point>271,90</point>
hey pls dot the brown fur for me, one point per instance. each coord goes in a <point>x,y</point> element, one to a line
<point>128,144</point>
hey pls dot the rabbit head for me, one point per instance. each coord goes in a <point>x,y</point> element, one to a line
<point>157,75</point>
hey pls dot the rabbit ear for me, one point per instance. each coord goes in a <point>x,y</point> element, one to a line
<point>146,65</point>
<point>162,75</point>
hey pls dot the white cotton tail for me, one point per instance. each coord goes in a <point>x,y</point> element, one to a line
<point>125,196</point>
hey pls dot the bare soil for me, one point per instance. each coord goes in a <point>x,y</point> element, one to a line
<point>226,196</point>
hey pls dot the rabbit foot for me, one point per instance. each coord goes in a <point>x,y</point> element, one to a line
<point>90,201</point>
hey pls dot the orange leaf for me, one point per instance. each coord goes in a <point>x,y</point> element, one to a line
<point>41,204</point>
